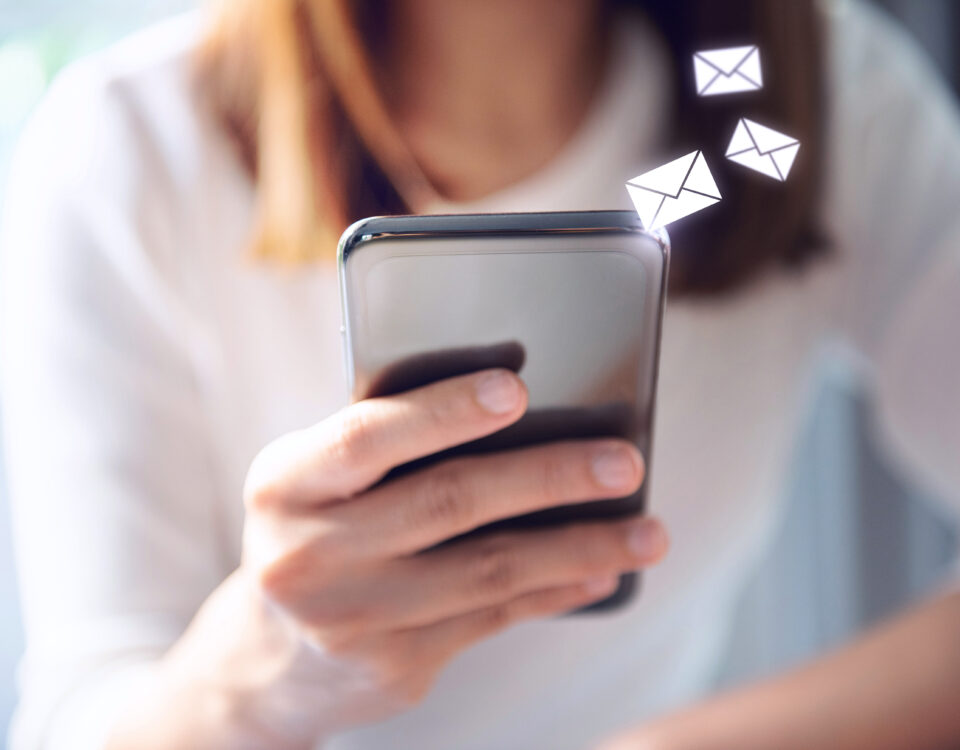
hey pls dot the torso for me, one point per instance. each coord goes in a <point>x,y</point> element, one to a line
<point>732,382</point>
<point>731,385</point>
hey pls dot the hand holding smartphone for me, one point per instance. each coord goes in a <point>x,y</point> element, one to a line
<point>453,498</point>
<point>572,302</point>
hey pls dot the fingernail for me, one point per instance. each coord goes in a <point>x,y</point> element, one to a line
<point>601,584</point>
<point>498,392</point>
<point>615,468</point>
<point>646,539</point>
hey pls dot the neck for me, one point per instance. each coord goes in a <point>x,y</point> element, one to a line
<point>486,92</point>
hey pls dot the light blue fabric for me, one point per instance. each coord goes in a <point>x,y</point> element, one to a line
<point>856,542</point>
<point>934,22</point>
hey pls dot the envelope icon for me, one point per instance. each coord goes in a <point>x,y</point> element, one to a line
<point>675,190</point>
<point>728,71</point>
<point>763,149</point>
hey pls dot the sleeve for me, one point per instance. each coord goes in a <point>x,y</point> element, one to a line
<point>892,210</point>
<point>106,449</point>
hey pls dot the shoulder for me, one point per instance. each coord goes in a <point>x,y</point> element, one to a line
<point>866,44</point>
<point>893,177</point>
<point>893,133</point>
<point>132,97</point>
<point>122,131</point>
<point>878,75</point>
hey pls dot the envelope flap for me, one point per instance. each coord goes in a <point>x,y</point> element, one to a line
<point>727,60</point>
<point>767,139</point>
<point>668,179</point>
<point>741,140</point>
<point>701,180</point>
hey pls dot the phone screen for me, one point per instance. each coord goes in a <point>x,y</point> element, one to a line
<point>577,316</point>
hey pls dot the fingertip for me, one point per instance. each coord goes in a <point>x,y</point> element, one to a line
<point>648,540</point>
<point>665,541</point>
<point>641,465</point>
<point>600,585</point>
<point>500,392</point>
<point>618,465</point>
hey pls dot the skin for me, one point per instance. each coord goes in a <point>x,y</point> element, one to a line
<point>334,560</point>
<point>896,688</point>
<point>331,563</point>
<point>444,93</point>
<point>334,564</point>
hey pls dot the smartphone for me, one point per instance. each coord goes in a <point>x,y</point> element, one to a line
<point>572,301</point>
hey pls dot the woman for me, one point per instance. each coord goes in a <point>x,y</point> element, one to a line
<point>203,561</point>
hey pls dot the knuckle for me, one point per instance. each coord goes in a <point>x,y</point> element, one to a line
<point>262,497</point>
<point>335,642</point>
<point>355,439</point>
<point>554,477</point>
<point>347,621</point>
<point>299,572</point>
<point>263,488</point>
<point>494,568</point>
<point>272,581</point>
<point>343,632</point>
<point>279,579</point>
<point>439,412</point>
<point>445,497</point>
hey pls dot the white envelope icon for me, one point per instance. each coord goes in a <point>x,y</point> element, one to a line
<point>763,149</point>
<point>728,71</point>
<point>675,190</point>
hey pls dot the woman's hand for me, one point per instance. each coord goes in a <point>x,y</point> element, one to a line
<point>340,559</point>
<point>341,614</point>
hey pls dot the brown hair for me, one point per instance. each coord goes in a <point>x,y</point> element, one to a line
<point>292,83</point>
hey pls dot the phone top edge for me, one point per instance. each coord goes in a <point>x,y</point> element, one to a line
<point>448,225</point>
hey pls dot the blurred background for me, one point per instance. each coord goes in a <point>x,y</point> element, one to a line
<point>900,541</point>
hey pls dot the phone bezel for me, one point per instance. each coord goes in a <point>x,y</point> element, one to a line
<point>379,228</point>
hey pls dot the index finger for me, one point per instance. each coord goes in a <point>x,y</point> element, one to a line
<point>358,445</point>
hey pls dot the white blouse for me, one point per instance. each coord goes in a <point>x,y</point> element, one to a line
<point>146,360</point>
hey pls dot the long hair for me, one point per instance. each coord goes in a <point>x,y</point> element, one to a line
<point>761,224</point>
<point>292,83</point>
